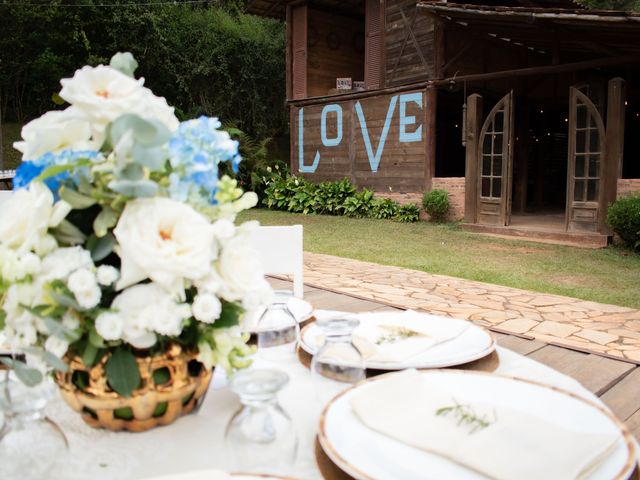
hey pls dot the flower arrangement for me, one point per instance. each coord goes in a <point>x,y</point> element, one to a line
<point>120,235</point>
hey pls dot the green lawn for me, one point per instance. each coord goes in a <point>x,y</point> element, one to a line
<point>610,275</point>
<point>10,134</point>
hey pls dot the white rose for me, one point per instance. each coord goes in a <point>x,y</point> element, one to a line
<point>260,297</point>
<point>110,326</point>
<point>59,264</point>
<point>224,229</point>
<point>146,309</point>
<point>8,264</point>
<point>107,274</point>
<point>46,244</point>
<point>164,240</point>
<point>57,346</point>
<point>55,131</point>
<point>206,307</point>
<point>26,216</point>
<point>240,268</point>
<point>103,94</point>
<point>29,264</point>
<point>210,283</point>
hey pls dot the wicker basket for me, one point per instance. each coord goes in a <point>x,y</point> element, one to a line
<point>184,383</point>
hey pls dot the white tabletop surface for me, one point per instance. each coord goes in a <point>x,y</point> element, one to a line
<point>196,441</point>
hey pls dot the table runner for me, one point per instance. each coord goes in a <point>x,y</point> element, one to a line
<point>196,441</point>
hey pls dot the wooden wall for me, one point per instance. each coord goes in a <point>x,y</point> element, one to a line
<point>401,163</point>
<point>408,58</point>
<point>335,49</point>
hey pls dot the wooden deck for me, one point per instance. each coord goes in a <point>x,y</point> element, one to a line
<point>617,383</point>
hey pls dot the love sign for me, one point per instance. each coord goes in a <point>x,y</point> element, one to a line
<point>374,123</point>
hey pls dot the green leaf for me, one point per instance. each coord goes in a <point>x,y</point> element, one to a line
<point>89,354</point>
<point>67,233</point>
<point>95,339</point>
<point>57,99</point>
<point>230,315</point>
<point>56,169</point>
<point>3,319</point>
<point>77,200</point>
<point>124,62</point>
<point>27,375</point>
<point>122,372</point>
<point>106,219</point>
<point>142,188</point>
<point>100,248</point>
<point>54,327</point>
<point>64,299</point>
<point>55,362</point>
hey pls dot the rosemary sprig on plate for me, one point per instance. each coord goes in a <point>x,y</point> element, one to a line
<point>396,334</point>
<point>466,417</point>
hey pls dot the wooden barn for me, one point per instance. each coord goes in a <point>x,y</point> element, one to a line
<point>528,114</point>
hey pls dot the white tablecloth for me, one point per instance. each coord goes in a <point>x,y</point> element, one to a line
<point>196,442</point>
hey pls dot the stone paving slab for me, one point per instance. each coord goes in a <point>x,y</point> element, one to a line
<point>593,327</point>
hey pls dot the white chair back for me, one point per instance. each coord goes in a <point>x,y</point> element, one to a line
<point>281,252</point>
<point>5,195</point>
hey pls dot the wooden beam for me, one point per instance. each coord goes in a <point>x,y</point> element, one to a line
<point>473,123</point>
<point>288,53</point>
<point>463,51</point>
<point>478,77</point>
<point>431,104</point>
<point>613,150</point>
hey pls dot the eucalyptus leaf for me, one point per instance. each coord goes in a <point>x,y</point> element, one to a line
<point>27,375</point>
<point>143,188</point>
<point>153,158</point>
<point>124,62</point>
<point>106,219</point>
<point>100,248</point>
<point>67,233</point>
<point>89,354</point>
<point>64,300</point>
<point>122,372</point>
<point>132,171</point>
<point>54,327</point>
<point>150,133</point>
<point>77,200</point>
<point>55,362</point>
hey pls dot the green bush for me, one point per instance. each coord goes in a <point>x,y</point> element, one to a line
<point>384,208</point>
<point>408,213</point>
<point>624,218</point>
<point>297,195</point>
<point>436,204</point>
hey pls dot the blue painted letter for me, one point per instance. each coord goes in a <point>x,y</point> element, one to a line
<point>301,166</point>
<point>323,125</point>
<point>416,135</point>
<point>374,160</point>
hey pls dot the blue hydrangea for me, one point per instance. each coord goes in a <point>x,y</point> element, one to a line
<point>196,150</point>
<point>30,169</point>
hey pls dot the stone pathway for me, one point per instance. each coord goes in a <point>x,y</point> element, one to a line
<point>586,326</point>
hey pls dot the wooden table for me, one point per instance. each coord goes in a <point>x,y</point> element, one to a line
<point>616,382</point>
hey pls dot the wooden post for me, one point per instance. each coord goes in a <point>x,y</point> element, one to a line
<point>288,51</point>
<point>431,101</point>
<point>473,126</point>
<point>611,167</point>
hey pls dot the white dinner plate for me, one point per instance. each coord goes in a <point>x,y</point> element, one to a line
<point>474,343</point>
<point>217,475</point>
<point>300,309</point>
<point>366,454</point>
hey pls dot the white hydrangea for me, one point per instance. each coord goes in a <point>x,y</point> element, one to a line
<point>56,345</point>
<point>89,298</point>
<point>206,307</point>
<point>84,287</point>
<point>60,263</point>
<point>107,275</point>
<point>110,326</point>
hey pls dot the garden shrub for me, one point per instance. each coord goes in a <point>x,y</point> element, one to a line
<point>297,195</point>
<point>408,213</point>
<point>436,204</point>
<point>385,208</point>
<point>624,218</point>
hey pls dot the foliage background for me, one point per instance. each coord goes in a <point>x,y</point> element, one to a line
<point>205,57</point>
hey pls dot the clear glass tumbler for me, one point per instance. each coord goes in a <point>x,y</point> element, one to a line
<point>31,445</point>
<point>260,434</point>
<point>338,364</point>
<point>277,330</point>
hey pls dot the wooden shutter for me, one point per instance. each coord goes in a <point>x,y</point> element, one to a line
<point>373,44</point>
<point>299,40</point>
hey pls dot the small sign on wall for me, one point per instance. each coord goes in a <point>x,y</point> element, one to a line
<point>343,83</point>
<point>358,85</point>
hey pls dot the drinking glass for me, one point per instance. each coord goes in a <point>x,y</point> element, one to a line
<point>31,445</point>
<point>338,364</point>
<point>277,330</point>
<point>260,434</point>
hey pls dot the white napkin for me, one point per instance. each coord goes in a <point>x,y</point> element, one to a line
<point>515,444</point>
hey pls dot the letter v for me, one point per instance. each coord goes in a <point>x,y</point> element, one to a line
<point>374,161</point>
